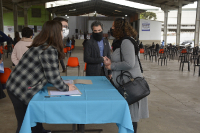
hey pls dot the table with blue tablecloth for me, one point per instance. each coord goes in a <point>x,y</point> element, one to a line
<point>99,103</point>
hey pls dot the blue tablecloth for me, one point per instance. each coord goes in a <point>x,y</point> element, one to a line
<point>99,103</point>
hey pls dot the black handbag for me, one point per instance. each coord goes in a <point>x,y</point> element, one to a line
<point>135,89</point>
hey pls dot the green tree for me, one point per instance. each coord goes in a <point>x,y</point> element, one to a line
<point>148,15</point>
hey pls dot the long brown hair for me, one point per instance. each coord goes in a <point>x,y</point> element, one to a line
<point>123,28</point>
<point>17,37</point>
<point>50,34</point>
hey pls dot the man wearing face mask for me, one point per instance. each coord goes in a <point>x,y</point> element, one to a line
<point>65,28</point>
<point>96,51</point>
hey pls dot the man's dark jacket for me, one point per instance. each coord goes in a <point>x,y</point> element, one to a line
<point>93,58</point>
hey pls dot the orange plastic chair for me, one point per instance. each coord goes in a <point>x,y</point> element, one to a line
<point>68,48</point>
<point>73,62</point>
<point>6,47</point>
<point>161,51</point>
<point>72,46</point>
<point>65,50</point>
<point>1,49</point>
<point>142,51</point>
<point>184,51</point>
<point>4,76</point>
<point>84,71</point>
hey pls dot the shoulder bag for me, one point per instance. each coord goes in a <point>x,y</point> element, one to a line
<point>135,89</point>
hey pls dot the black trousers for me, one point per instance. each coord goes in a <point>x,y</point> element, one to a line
<point>20,110</point>
<point>2,94</point>
<point>102,72</point>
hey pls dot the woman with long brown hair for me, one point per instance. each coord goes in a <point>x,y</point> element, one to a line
<point>38,66</point>
<point>125,58</point>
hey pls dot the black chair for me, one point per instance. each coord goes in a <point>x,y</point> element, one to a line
<point>162,57</point>
<point>153,53</point>
<point>182,51</point>
<point>185,59</point>
<point>146,52</point>
<point>194,55</point>
<point>197,64</point>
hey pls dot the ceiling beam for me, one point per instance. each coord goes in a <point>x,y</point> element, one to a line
<point>66,9</point>
<point>35,2</point>
<point>78,10</point>
<point>152,4</point>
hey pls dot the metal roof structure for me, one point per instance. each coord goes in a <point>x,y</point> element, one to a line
<point>101,7</point>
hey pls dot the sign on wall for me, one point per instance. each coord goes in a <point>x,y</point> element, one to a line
<point>9,29</point>
<point>145,26</point>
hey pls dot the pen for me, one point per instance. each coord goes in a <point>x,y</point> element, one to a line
<point>51,96</point>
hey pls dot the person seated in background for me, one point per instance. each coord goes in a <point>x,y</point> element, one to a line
<point>157,48</point>
<point>22,46</point>
<point>141,45</point>
<point>69,43</point>
<point>73,40</point>
<point>152,46</point>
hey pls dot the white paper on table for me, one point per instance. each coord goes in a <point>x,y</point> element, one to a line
<point>75,92</point>
<point>68,81</point>
<point>78,81</point>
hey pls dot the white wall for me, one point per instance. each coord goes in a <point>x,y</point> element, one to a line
<point>106,25</point>
<point>187,17</point>
<point>153,34</point>
<point>184,36</point>
<point>71,24</point>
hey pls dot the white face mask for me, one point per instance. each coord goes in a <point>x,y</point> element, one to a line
<point>65,32</point>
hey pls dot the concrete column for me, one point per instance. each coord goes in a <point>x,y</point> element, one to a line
<point>15,15</point>
<point>25,17</point>
<point>178,23</point>
<point>165,26</point>
<point>197,23</point>
<point>1,16</point>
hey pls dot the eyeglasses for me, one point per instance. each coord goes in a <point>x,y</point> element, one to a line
<point>65,26</point>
